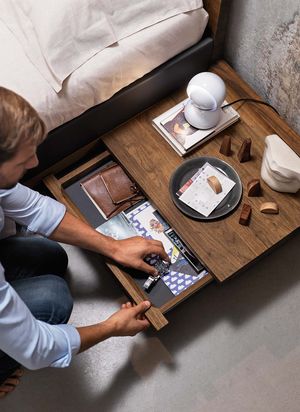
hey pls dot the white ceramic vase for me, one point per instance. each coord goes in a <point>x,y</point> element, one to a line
<point>280,167</point>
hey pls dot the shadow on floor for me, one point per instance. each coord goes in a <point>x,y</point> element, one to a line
<point>85,386</point>
<point>237,300</point>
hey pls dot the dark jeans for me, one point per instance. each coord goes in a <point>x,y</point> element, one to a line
<point>34,267</point>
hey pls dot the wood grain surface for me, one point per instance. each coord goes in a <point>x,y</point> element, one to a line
<point>213,8</point>
<point>224,246</point>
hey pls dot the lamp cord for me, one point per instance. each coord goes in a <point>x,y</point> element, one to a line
<point>250,100</point>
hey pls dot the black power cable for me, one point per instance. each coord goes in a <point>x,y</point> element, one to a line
<point>250,100</point>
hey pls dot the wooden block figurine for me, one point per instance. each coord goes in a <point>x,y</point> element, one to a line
<point>245,215</point>
<point>225,147</point>
<point>254,188</point>
<point>244,154</point>
<point>270,208</point>
<point>215,184</point>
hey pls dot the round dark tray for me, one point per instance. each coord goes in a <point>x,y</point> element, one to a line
<point>185,171</point>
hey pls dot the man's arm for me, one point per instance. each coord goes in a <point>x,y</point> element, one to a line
<point>128,252</point>
<point>38,213</point>
<point>31,342</point>
<point>48,217</point>
<point>36,344</point>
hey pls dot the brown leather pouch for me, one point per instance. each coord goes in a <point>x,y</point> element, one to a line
<point>118,185</point>
<point>111,190</point>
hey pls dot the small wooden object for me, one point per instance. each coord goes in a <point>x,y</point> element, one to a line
<point>244,154</point>
<point>245,215</point>
<point>225,147</point>
<point>270,208</point>
<point>215,184</point>
<point>254,188</point>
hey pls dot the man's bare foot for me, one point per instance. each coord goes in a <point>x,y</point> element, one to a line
<point>10,383</point>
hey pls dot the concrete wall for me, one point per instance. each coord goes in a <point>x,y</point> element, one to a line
<point>263,45</point>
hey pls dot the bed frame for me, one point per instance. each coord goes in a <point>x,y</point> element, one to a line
<point>57,151</point>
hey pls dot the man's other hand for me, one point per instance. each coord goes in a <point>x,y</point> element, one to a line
<point>129,320</point>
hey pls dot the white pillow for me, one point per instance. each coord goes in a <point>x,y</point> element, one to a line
<point>58,36</point>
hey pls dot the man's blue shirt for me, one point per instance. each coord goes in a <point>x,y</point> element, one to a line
<point>31,342</point>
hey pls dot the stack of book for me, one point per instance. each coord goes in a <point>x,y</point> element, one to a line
<point>183,137</point>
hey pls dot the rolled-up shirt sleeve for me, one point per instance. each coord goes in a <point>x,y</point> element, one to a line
<point>33,343</point>
<point>40,214</point>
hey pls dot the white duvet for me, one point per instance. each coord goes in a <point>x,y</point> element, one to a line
<point>100,76</point>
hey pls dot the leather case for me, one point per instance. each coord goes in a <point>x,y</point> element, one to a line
<point>111,190</point>
<point>118,185</point>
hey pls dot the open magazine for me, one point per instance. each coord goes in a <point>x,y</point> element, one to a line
<point>144,220</point>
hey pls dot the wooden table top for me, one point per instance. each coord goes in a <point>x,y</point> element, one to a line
<point>224,246</point>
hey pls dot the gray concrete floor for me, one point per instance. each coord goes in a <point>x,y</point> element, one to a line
<point>234,347</point>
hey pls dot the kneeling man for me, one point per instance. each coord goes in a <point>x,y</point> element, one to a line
<point>35,302</point>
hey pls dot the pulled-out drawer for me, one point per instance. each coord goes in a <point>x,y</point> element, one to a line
<point>66,188</point>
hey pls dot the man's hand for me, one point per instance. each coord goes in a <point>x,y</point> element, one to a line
<point>132,252</point>
<point>128,252</point>
<point>129,320</point>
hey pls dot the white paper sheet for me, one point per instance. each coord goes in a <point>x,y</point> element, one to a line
<point>201,197</point>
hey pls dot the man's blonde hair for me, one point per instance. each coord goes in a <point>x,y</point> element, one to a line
<point>19,122</point>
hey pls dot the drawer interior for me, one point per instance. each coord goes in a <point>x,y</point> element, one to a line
<point>67,189</point>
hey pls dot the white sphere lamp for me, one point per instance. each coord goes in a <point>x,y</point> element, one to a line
<point>206,92</point>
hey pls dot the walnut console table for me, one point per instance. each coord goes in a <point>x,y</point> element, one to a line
<point>224,246</point>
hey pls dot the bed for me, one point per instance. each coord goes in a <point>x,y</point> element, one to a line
<point>115,83</point>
